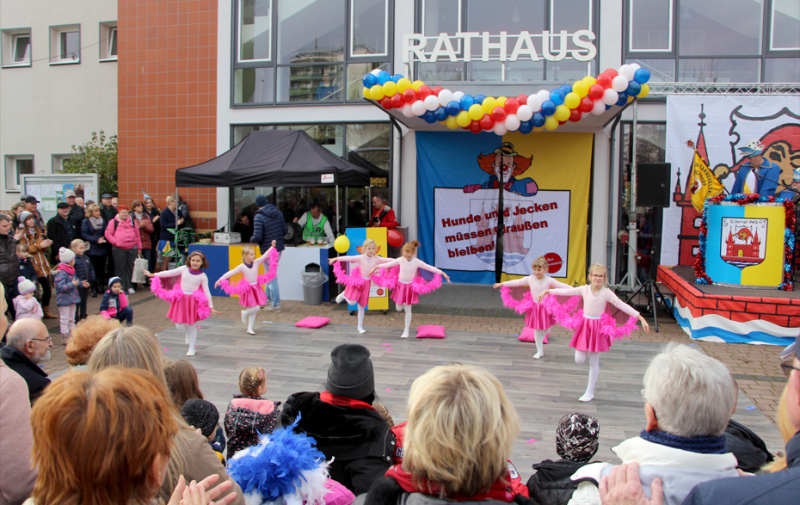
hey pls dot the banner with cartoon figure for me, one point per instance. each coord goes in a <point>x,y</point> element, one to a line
<point>723,128</point>
<point>546,187</point>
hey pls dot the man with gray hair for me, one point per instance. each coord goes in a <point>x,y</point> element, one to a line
<point>689,398</point>
<point>27,344</point>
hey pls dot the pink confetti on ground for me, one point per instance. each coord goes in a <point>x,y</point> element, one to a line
<point>388,350</point>
<point>385,345</point>
<point>197,347</point>
<point>199,327</point>
<point>166,350</point>
<point>388,390</point>
<point>532,441</point>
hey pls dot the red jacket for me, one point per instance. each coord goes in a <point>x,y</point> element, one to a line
<point>386,217</point>
<point>146,231</point>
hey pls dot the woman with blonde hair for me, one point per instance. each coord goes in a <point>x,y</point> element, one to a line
<point>192,457</point>
<point>33,237</point>
<point>106,438</point>
<point>458,438</point>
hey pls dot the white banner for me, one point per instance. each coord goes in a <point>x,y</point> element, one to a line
<point>465,230</point>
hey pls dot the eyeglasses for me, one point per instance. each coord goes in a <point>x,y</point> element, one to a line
<point>48,339</point>
<point>787,369</point>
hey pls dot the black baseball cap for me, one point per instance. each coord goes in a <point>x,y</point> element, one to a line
<point>62,205</point>
<point>30,199</point>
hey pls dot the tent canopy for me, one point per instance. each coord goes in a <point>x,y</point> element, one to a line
<point>274,158</point>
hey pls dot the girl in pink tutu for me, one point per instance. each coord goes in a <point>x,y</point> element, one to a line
<point>407,287</point>
<point>594,327</point>
<point>358,282</point>
<point>251,287</point>
<point>190,299</point>
<point>536,316</point>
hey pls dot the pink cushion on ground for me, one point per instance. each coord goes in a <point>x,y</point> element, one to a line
<point>312,322</point>
<point>430,331</point>
<point>527,336</point>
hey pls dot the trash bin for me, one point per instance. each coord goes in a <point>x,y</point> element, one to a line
<point>313,280</point>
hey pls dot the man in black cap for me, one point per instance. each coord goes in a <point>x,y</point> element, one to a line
<point>343,421</point>
<point>60,231</point>
<point>76,213</point>
<point>30,205</point>
<point>107,210</point>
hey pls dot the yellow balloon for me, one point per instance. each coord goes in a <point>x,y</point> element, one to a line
<point>572,100</point>
<point>417,84</point>
<point>645,91</point>
<point>451,122</point>
<point>376,92</point>
<point>463,119</point>
<point>390,88</point>
<point>630,99</point>
<point>341,244</point>
<point>538,128</point>
<point>561,114</point>
<point>551,123</point>
<point>589,81</point>
<point>403,84</point>
<point>475,112</point>
<point>502,101</point>
<point>580,84</point>
<point>489,104</point>
<point>366,92</point>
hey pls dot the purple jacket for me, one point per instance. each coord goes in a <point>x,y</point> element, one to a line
<point>66,292</point>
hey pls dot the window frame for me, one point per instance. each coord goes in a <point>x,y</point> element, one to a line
<point>106,29</point>
<point>238,35</point>
<point>629,31</point>
<point>57,162</point>
<point>56,48</point>
<point>349,28</point>
<point>8,47</point>
<point>10,163</point>
<point>769,47</point>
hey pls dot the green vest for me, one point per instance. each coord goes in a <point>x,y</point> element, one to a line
<point>314,232</point>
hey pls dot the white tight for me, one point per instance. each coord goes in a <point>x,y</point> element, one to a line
<point>538,337</point>
<point>360,317</point>
<point>250,314</point>
<point>407,308</point>
<point>594,368</point>
<point>191,335</point>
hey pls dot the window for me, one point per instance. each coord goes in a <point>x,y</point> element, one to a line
<point>321,49</point>
<point>108,41</point>
<point>58,162</point>
<point>65,44</point>
<point>16,46</point>
<point>785,26</point>
<point>16,167</point>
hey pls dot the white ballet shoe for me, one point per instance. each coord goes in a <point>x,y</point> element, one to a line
<point>250,332</point>
<point>586,398</point>
<point>362,330</point>
<point>404,335</point>
<point>191,352</point>
<point>538,355</point>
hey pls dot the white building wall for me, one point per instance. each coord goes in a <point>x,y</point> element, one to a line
<point>44,108</point>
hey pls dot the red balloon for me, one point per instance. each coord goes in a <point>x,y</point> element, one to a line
<point>409,96</point>
<point>499,114</point>
<point>486,122</point>
<point>436,90</point>
<point>511,105</point>
<point>397,100</point>
<point>424,92</point>
<point>575,115</point>
<point>595,92</point>
<point>475,127</point>
<point>522,99</point>
<point>394,238</point>
<point>561,122</point>
<point>386,103</point>
<point>611,72</point>
<point>604,80</point>
<point>586,104</point>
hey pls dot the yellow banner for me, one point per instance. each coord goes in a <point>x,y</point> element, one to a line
<point>704,184</point>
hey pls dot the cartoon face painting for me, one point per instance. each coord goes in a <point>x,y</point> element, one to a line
<point>506,161</point>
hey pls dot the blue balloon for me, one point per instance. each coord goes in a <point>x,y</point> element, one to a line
<point>634,88</point>
<point>526,126</point>
<point>369,80</point>
<point>479,99</point>
<point>440,114</point>
<point>567,89</point>
<point>453,108</point>
<point>429,117</point>
<point>623,99</point>
<point>608,106</point>
<point>538,120</point>
<point>557,97</point>
<point>383,77</point>
<point>641,75</point>
<point>548,108</point>
<point>466,102</point>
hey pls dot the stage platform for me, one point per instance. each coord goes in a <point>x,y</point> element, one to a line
<point>731,314</point>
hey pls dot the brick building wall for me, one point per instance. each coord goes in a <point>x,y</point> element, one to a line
<point>167,99</point>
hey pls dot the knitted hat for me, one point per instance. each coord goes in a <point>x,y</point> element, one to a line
<point>112,280</point>
<point>201,414</point>
<point>261,201</point>
<point>577,437</point>
<point>350,373</point>
<point>23,216</point>
<point>25,286</point>
<point>65,255</point>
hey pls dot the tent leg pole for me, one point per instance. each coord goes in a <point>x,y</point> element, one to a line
<point>337,210</point>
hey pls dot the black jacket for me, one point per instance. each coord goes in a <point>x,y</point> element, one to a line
<point>61,232</point>
<point>76,216</point>
<point>108,213</point>
<point>268,225</point>
<point>84,271</point>
<point>27,270</point>
<point>358,438</point>
<point>9,263</point>
<point>34,376</point>
<point>551,485</point>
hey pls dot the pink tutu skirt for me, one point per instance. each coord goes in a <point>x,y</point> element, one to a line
<point>404,294</point>
<point>357,294</point>
<point>186,309</point>
<point>253,296</point>
<point>589,337</point>
<point>538,318</point>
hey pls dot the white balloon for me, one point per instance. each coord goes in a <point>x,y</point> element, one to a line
<point>619,83</point>
<point>544,95</point>
<point>376,71</point>
<point>635,66</point>
<point>535,103</point>
<point>431,102</point>
<point>584,115</point>
<point>500,129</point>
<point>512,122</point>
<point>406,110</point>
<point>445,96</point>
<point>627,72</point>
<point>524,112</point>
<point>610,97</point>
<point>418,108</point>
<point>457,95</point>
<point>599,107</point>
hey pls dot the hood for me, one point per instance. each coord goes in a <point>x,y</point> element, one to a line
<point>270,210</point>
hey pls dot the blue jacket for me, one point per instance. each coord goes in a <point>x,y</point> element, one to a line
<point>766,182</point>
<point>269,225</point>
<point>84,271</point>
<point>168,220</point>
<point>26,269</point>
<point>769,489</point>
<point>89,234</point>
<point>66,292</point>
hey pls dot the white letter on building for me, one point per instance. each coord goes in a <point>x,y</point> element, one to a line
<point>417,48</point>
<point>525,40</point>
<point>583,39</point>
<point>467,37</point>
<point>501,46</point>
<point>443,47</point>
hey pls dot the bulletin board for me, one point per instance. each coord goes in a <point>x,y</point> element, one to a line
<point>50,189</point>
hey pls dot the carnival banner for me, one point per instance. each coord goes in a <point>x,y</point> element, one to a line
<point>546,180</point>
<point>718,126</point>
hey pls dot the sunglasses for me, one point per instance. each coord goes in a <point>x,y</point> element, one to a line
<point>788,368</point>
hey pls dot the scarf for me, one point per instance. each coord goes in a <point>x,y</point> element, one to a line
<point>502,490</point>
<point>343,401</point>
<point>195,272</point>
<point>701,445</point>
<point>66,268</point>
<point>138,215</point>
<point>97,222</point>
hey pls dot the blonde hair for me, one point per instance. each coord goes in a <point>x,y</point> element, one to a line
<point>170,199</point>
<point>369,242</point>
<point>75,243</point>
<point>541,261</point>
<point>251,379</point>
<point>787,432</point>
<point>597,266</point>
<point>410,247</point>
<point>246,249</point>
<point>91,208</point>
<point>461,427</point>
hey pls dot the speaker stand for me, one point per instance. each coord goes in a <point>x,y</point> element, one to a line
<point>652,292</point>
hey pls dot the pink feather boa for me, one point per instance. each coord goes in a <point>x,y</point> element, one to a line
<point>353,279</point>
<point>242,286</point>
<point>571,320</point>
<point>170,295</point>
<point>389,278</point>
<point>519,306</point>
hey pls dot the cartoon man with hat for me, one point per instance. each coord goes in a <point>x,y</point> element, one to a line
<point>757,175</point>
<point>506,160</point>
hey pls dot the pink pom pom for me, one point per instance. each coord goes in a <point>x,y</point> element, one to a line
<point>353,279</point>
<point>421,287</point>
